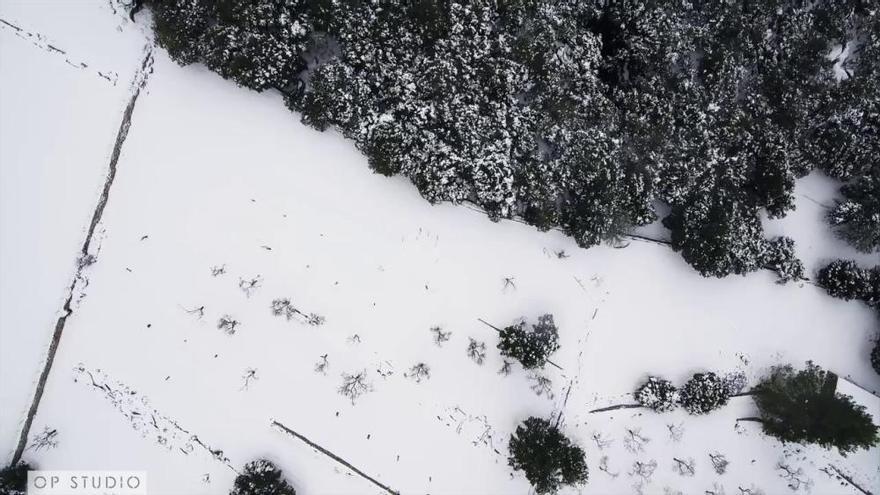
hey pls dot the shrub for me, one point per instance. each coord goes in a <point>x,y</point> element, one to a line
<point>530,348</point>
<point>549,459</point>
<point>261,477</point>
<point>13,479</point>
<point>803,407</point>
<point>658,394</point>
<point>703,393</point>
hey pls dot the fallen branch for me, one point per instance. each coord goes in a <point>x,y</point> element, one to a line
<point>616,407</point>
<point>849,480</point>
<point>334,457</point>
<point>750,418</point>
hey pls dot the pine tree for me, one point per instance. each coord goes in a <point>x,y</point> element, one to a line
<point>13,479</point>
<point>704,393</point>
<point>857,218</point>
<point>803,407</point>
<point>531,348</point>
<point>658,394</point>
<point>846,280</point>
<point>261,477</point>
<point>548,458</point>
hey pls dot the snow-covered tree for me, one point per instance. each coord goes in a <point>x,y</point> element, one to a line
<point>658,394</point>
<point>261,477</point>
<point>549,459</point>
<point>803,407</point>
<point>532,347</point>
<point>704,393</point>
<point>846,280</point>
<point>13,479</point>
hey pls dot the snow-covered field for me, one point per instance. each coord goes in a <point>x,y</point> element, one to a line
<point>211,175</point>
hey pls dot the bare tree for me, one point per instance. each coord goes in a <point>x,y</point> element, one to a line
<point>642,471</point>
<point>251,285</point>
<point>717,489</point>
<point>505,367</point>
<point>476,351</point>
<point>601,441</point>
<point>719,462</point>
<point>355,385</point>
<point>199,311</point>
<point>684,467</point>
<point>508,282</point>
<point>634,441</point>
<point>216,270</point>
<point>440,336</point>
<point>676,431</point>
<point>322,365</point>
<point>419,372</point>
<point>228,324</point>
<point>283,307</point>
<point>47,439</point>
<point>751,490</point>
<point>541,385</point>
<point>603,466</point>
<point>795,477</point>
<point>249,374</point>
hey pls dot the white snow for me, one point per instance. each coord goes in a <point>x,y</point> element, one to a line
<point>213,174</point>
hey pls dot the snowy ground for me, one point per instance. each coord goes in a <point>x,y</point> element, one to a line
<point>212,175</point>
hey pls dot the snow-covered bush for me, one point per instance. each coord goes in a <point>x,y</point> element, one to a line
<point>735,382</point>
<point>703,393</point>
<point>779,256</point>
<point>261,477</point>
<point>530,348</point>
<point>549,459</point>
<point>658,394</point>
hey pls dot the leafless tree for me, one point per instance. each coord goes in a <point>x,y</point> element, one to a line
<point>251,285</point>
<point>717,489</point>
<point>476,351</point>
<point>634,441</point>
<point>419,372</point>
<point>199,311</point>
<point>795,477</point>
<point>47,439</point>
<point>541,385</point>
<point>643,471</point>
<point>228,324</point>
<point>719,462</point>
<point>322,365</point>
<point>206,478</point>
<point>603,466</point>
<point>216,270</point>
<point>505,367</point>
<point>249,374</point>
<point>355,385</point>
<point>354,339</point>
<point>676,431</point>
<point>508,282</point>
<point>752,490</point>
<point>601,441</point>
<point>684,467</point>
<point>283,307</point>
<point>440,336</point>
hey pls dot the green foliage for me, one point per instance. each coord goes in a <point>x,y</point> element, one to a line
<point>803,407</point>
<point>261,477</point>
<point>13,479</point>
<point>549,459</point>
<point>704,393</point>
<point>846,280</point>
<point>530,348</point>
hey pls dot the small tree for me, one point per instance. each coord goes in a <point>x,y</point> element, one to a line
<point>13,479</point>
<point>530,348</point>
<point>658,394</point>
<point>549,459</point>
<point>846,280</point>
<point>803,407</point>
<point>261,477</point>
<point>703,393</point>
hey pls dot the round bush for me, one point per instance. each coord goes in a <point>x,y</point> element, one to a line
<point>658,394</point>
<point>703,393</point>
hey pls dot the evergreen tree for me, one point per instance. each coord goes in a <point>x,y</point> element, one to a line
<point>704,393</point>
<point>13,479</point>
<point>658,394</point>
<point>261,477</point>
<point>779,256</point>
<point>857,217</point>
<point>846,280</point>
<point>548,458</point>
<point>803,407</point>
<point>531,348</point>
<point>875,356</point>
